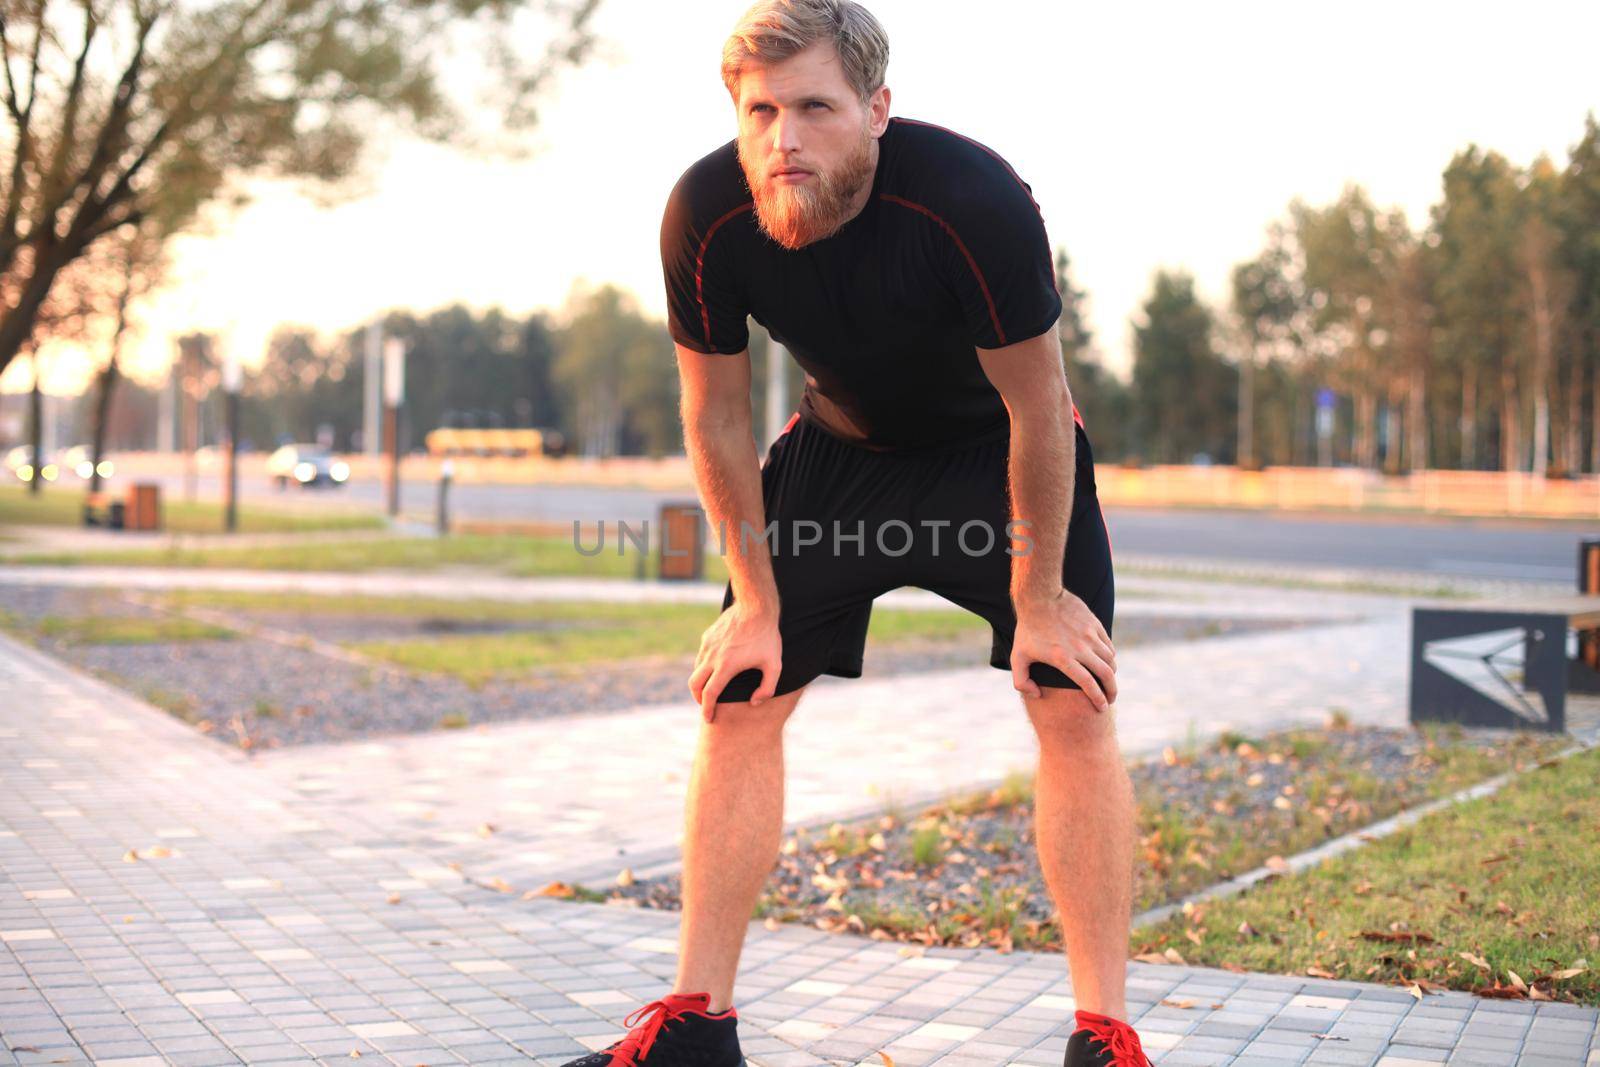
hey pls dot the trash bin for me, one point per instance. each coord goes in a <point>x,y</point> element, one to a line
<point>94,505</point>
<point>1589,584</point>
<point>681,548</point>
<point>143,510</point>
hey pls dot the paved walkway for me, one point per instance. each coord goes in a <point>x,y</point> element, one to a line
<point>1161,590</point>
<point>298,905</point>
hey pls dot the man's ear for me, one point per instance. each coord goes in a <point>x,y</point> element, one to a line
<point>878,111</point>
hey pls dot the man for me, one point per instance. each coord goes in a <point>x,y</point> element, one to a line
<point>907,269</point>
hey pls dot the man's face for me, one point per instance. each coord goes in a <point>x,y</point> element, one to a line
<point>807,143</point>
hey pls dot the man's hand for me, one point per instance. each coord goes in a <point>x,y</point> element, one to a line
<point>1064,633</point>
<point>740,638</point>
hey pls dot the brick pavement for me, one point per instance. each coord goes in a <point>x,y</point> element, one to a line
<point>267,935</point>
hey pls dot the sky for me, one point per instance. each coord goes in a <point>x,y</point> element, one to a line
<point>1153,135</point>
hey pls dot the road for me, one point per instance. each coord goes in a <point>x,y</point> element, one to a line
<point>1475,548</point>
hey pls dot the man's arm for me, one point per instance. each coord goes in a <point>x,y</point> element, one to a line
<point>715,407</point>
<point>1043,462</point>
<point>1053,625</point>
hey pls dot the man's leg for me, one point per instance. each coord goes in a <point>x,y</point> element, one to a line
<point>1084,823</point>
<point>733,827</point>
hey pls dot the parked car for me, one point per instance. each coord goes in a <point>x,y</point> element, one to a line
<point>20,465</point>
<point>79,460</point>
<point>306,465</point>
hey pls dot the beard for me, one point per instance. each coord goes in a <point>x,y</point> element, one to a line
<point>796,215</point>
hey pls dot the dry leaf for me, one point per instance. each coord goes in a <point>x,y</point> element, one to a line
<point>1562,976</point>
<point>887,1062</point>
<point>1516,982</point>
<point>1178,1003</point>
<point>1396,937</point>
<point>625,876</point>
<point>1319,972</point>
<point>486,829</point>
<point>1277,864</point>
<point>394,898</point>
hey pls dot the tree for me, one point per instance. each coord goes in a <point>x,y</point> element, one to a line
<point>1074,330</point>
<point>1101,399</point>
<point>1413,316</point>
<point>1547,295</point>
<point>137,264</point>
<point>616,372</point>
<point>1478,283</point>
<point>1266,303</point>
<point>1185,391</point>
<point>1350,250</point>
<point>207,94</point>
<point>1578,216</point>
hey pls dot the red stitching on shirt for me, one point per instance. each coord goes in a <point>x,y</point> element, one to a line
<point>982,284</point>
<point>1050,263</point>
<point>700,266</point>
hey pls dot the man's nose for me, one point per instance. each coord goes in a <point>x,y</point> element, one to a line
<point>785,134</point>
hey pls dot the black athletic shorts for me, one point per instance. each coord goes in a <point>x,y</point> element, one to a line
<point>846,524</point>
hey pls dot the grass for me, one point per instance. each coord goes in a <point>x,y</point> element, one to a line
<point>1375,584</point>
<point>571,633</point>
<point>1184,851</point>
<point>63,506</point>
<point>510,554</point>
<point>126,630</point>
<point>1495,895</point>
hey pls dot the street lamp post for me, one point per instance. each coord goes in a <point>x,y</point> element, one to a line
<point>394,392</point>
<point>232,375</point>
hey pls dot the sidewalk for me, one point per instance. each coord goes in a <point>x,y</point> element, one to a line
<point>1159,590</point>
<point>267,936</point>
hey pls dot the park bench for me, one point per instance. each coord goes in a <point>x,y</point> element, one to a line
<point>1504,662</point>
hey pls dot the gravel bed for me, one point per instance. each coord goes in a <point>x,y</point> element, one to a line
<point>263,694</point>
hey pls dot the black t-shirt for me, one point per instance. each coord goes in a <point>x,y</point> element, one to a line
<point>948,254</point>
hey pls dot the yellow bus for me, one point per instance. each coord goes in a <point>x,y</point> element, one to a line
<point>461,441</point>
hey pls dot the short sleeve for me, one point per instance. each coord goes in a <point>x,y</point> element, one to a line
<point>1000,266</point>
<point>706,309</point>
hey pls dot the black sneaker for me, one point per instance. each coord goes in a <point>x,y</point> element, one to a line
<point>1101,1041</point>
<point>676,1031</point>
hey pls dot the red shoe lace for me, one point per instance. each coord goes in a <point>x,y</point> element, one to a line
<point>1117,1036</point>
<point>631,1050</point>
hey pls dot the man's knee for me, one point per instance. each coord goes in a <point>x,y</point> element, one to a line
<point>1067,718</point>
<point>740,718</point>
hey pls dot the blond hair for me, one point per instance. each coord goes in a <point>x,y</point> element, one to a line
<point>773,30</point>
